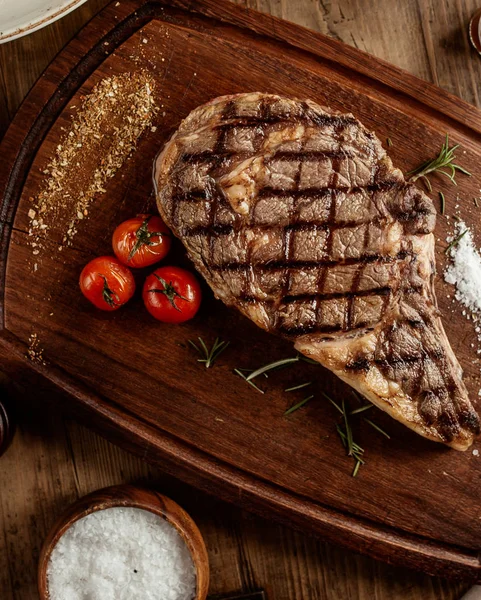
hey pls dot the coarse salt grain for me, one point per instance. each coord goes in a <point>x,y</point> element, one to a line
<point>475,452</point>
<point>465,273</point>
<point>121,554</point>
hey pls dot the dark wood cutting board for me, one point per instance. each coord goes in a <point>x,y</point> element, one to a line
<point>137,381</point>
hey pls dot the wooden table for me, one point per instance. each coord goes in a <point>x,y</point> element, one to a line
<point>53,461</point>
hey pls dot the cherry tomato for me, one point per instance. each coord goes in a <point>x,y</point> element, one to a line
<point>172,294</point>
<point>107,283</point>
<point>141,241</point>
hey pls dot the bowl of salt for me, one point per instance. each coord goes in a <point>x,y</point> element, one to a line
<point>124,543</point>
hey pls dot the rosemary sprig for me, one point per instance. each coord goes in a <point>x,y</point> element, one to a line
<point>298,405</point>
<point>456,241</point>
<point>443,202</point>
<point>353,449</point>
<point>241,374</point>
<point>345,433</point>
<point>444,160</point>
<point>356,452</point>
<point>209,356</point>
<point>298,387</point>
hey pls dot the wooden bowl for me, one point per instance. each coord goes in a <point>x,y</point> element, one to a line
<point>132,497</point>
<point>474,31</point>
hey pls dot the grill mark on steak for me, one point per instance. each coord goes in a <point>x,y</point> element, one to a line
<point>318,192</point>
<point>294,226</point>
<point>355,288</point>
<point>290,298</point>
<point>354,299</point>
<point>219,148</point>
<point>308,117</point>
<point>288,240</point>
<point>288,156</point>
<point>304,194</point>
<point>305,264</point>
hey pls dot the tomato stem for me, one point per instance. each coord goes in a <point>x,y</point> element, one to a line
<point>144,237</point>
<point>108,295</point>
<point>169,291</point>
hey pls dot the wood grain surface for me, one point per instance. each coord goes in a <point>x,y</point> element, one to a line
<point>309,578</point>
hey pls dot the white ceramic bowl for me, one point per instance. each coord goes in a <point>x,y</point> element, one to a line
<point>20,17</point>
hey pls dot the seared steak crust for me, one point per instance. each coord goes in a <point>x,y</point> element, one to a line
<point>295,215</point>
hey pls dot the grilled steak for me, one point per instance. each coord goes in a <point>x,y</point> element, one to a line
<point>295,215</point>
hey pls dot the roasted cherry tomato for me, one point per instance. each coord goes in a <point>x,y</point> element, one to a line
<point>107,283</point>
<point>141,241</point>
<point>172,294</point>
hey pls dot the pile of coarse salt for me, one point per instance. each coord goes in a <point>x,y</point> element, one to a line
<point>121,554</point>
<point>465,273</point>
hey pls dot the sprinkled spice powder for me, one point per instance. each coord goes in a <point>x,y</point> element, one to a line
<point>103,133</point>
<point>34,351</point>
<point>121,554</point>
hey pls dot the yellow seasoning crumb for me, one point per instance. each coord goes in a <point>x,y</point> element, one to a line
<point>102,135</point>
<point>34,351</point>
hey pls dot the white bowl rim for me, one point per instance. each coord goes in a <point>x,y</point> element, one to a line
<point>62,9</point>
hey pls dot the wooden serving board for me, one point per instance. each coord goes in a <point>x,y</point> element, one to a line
<point>137,381</point>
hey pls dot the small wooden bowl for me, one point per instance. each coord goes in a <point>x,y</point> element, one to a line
<point>474,31</point>
<point>132,497</point>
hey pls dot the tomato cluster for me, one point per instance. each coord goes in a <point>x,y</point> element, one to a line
<point>170,294</point>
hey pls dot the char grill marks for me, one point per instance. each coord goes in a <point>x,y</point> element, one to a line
<point>307,223</point>
<point>296,216</point>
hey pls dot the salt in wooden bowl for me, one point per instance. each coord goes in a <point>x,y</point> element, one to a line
<point>131,497</point>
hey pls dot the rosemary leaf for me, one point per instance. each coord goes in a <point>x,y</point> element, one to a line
<point>356,468</point>
<point>308,360</point>
<point>444,160</point>
<point>275,365</point>
<point>462,169</point>
<point>209,356</point>
<point>342,435</point>
<point>443,202</point>
<point>204,347</point>
<point>356,411</point>
<point>427,182</point>
<point>298,387</point>
<point>194,346</point>
<point>348,429</point>
<point>298,405</point>
<point>238,372</point>
<point>476,203</point>
<point>456,241</point>
<point>389,141</point>
<point>377,428</point>
<point>335,404</point>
